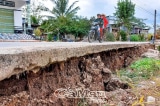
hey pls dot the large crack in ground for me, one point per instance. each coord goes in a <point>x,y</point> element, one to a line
<point>92,72</point>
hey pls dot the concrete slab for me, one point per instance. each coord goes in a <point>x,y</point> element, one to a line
<point>17,57</point>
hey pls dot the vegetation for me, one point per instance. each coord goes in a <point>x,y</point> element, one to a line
<point>123,35</point>
<point>79,27</point>
<point>66,25</point>
<point>117,37</point>
<point>34,20</point>
<point>37,32</point>
<point>142,37</point>
<point>135,38</point>
<point>61,8</point>
<point>50,37</point>
<point>110,37</point>
<point>36,8</point>
<point>149,36</point>
<point>143,77</point>
<point>142,69</point>
<point>63,19</point>
<point>140,22</point>
<point>66,21</point>
<point>125,11</point>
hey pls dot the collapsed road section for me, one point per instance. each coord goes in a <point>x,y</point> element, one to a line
<point>30,73</point>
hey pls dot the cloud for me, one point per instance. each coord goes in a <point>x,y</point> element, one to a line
<point>86,7</point>
<point>90,8</point>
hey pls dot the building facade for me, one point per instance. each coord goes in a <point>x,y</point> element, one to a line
<point>113,27</point>
<point>10,15</point>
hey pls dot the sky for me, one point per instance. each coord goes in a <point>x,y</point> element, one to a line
<point>144,9</point>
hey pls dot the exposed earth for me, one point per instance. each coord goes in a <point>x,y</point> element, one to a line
<point>37,89</point>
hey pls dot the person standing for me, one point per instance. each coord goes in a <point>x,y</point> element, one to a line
<point>105,23</point>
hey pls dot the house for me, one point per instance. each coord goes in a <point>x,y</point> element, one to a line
<point>112,24</point>
<point>11,15</point>
<point>113,27</point>
<point>139,30</point>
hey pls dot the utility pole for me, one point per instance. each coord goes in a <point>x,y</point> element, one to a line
<point>154,37</point>
<point>28,14</point>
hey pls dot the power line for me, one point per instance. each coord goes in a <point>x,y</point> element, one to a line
<point>140,1</point>
<point>146,6</point>
<point>144,9</point>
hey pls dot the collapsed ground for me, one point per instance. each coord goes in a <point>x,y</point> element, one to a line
<point>94,72</point>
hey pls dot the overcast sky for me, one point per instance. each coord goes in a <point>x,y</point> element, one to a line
<point>144,8</point>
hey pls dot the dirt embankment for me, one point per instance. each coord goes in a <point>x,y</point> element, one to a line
<point>92,73</point>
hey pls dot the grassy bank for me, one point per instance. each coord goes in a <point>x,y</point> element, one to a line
<point>144,78</point>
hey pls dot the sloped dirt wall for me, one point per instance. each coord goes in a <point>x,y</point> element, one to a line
<point>93,72</point>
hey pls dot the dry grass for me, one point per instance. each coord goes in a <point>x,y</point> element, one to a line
<point>149,88</point>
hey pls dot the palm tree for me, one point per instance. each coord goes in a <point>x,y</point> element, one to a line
<point>61,8</point>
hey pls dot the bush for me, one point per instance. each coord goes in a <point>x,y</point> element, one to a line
<point>110,37</point>
<point>37,32</point>
<point>123,35</point>
<point>118,36</point>
<point>135,38</point>
<point>142,37</point>
<point>149,36</point>
<point>49,37</point>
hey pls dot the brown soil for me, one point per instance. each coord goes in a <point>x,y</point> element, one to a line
<point>93,72</point>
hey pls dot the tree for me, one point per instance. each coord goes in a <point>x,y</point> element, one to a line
<point>92,18</point>
<point>125,11</point>
<point>36,8</point>
<point>61,8</point>
<point>77,26</point>
<point>65,20</point>
<point>140,22</point>
<point>80,27</point>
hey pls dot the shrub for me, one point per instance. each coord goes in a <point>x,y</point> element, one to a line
<point>37,32</point>
<point>49,37</point>
<point>142,37</point>
<point>149,36</point>
<point>118,36</point>
<point>123,35</point>
<point>110,37</point>
<point>134,38</point>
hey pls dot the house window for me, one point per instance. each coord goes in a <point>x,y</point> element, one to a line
<point>7,3</point>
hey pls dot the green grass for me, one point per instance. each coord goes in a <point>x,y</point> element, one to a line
<point>135,38</point>
<point>144,68</point>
